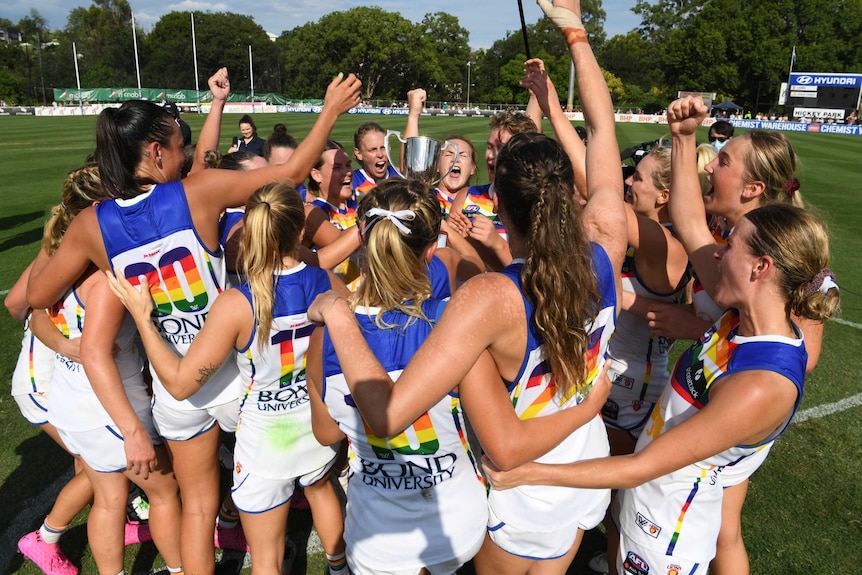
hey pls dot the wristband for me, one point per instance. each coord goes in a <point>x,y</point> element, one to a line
<point>562,17</point>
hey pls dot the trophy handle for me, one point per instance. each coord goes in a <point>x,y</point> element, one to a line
<point>397,134</point>
<point>445,144</point>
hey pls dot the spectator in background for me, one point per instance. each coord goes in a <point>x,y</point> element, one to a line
<point>185,129</point>
<point>249,141</point>
<point>720,133</point>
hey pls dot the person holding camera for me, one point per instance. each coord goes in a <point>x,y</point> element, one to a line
<point>249,141</point>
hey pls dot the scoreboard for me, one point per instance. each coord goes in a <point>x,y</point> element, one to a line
<point>823,96</point>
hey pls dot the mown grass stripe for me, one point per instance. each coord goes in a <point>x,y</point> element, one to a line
<point>35,509</point>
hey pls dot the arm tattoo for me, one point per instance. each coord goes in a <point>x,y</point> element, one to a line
<point>206,373</point>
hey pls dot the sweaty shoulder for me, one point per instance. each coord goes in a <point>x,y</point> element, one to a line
<point>85,231</point>
<point>488,297</point>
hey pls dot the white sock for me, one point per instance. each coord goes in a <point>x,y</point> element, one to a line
<point>337,564</point>
<point>49,534</point>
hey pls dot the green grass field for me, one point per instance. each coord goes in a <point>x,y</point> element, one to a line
<point>804,506</point>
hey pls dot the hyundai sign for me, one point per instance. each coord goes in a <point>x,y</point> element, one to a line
<point>799,79</point>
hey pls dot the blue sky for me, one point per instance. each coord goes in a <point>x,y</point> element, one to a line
<point>487,20</point>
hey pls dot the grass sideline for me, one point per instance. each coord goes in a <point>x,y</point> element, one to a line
<point>803,510</point>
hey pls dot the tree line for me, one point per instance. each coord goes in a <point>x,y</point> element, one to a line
<point>739,49</point>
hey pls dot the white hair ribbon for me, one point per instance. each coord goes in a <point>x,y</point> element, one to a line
<point>828,284</point>
<point>396,218</point>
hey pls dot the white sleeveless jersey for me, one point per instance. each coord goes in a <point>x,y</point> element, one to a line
<point>415,498</point>
<point>705,308</point>
<point>639,360</point>
<point>35,366</point>
<point>679,514</point>
<point>153,235</point>
<point>72,404</point>
<point>540,508</point>
<point>274,437</point>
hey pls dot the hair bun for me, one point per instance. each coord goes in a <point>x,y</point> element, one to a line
<point>823,281</point>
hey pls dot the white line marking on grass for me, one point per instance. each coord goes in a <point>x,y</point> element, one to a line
<point>4,292</point>
<point>828,409</point>
<point>845,322</point>
<point>33,510</point>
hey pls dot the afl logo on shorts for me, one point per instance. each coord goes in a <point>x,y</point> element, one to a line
<point>635,564</point>
<point>611,410</point>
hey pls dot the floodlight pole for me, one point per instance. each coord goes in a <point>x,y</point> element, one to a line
<point>41,69</point>
<point>195,54</point>
<point>468,84</point>
<point>78,78</point>
<point>137,63</point>
<point>251,76</point>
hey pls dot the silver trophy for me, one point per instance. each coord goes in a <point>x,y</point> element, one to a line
<point>421,155</point>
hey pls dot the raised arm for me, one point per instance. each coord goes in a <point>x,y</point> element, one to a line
<point>535,111</point>
<point>214,190</point>
<point>604,216</point>
<point>686,203</point>
<point>415,102</point>
<point>208,139</point>
<point>544,93</point>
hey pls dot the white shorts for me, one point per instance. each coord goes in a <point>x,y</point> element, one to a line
<point>534,545</point>
<point>444,568</point>
<point>254,494</point>
<point>34,407</point>
<point>102,448</point>
<point>627,415</point>
<point>634,560</point>
<point>182,425</point>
